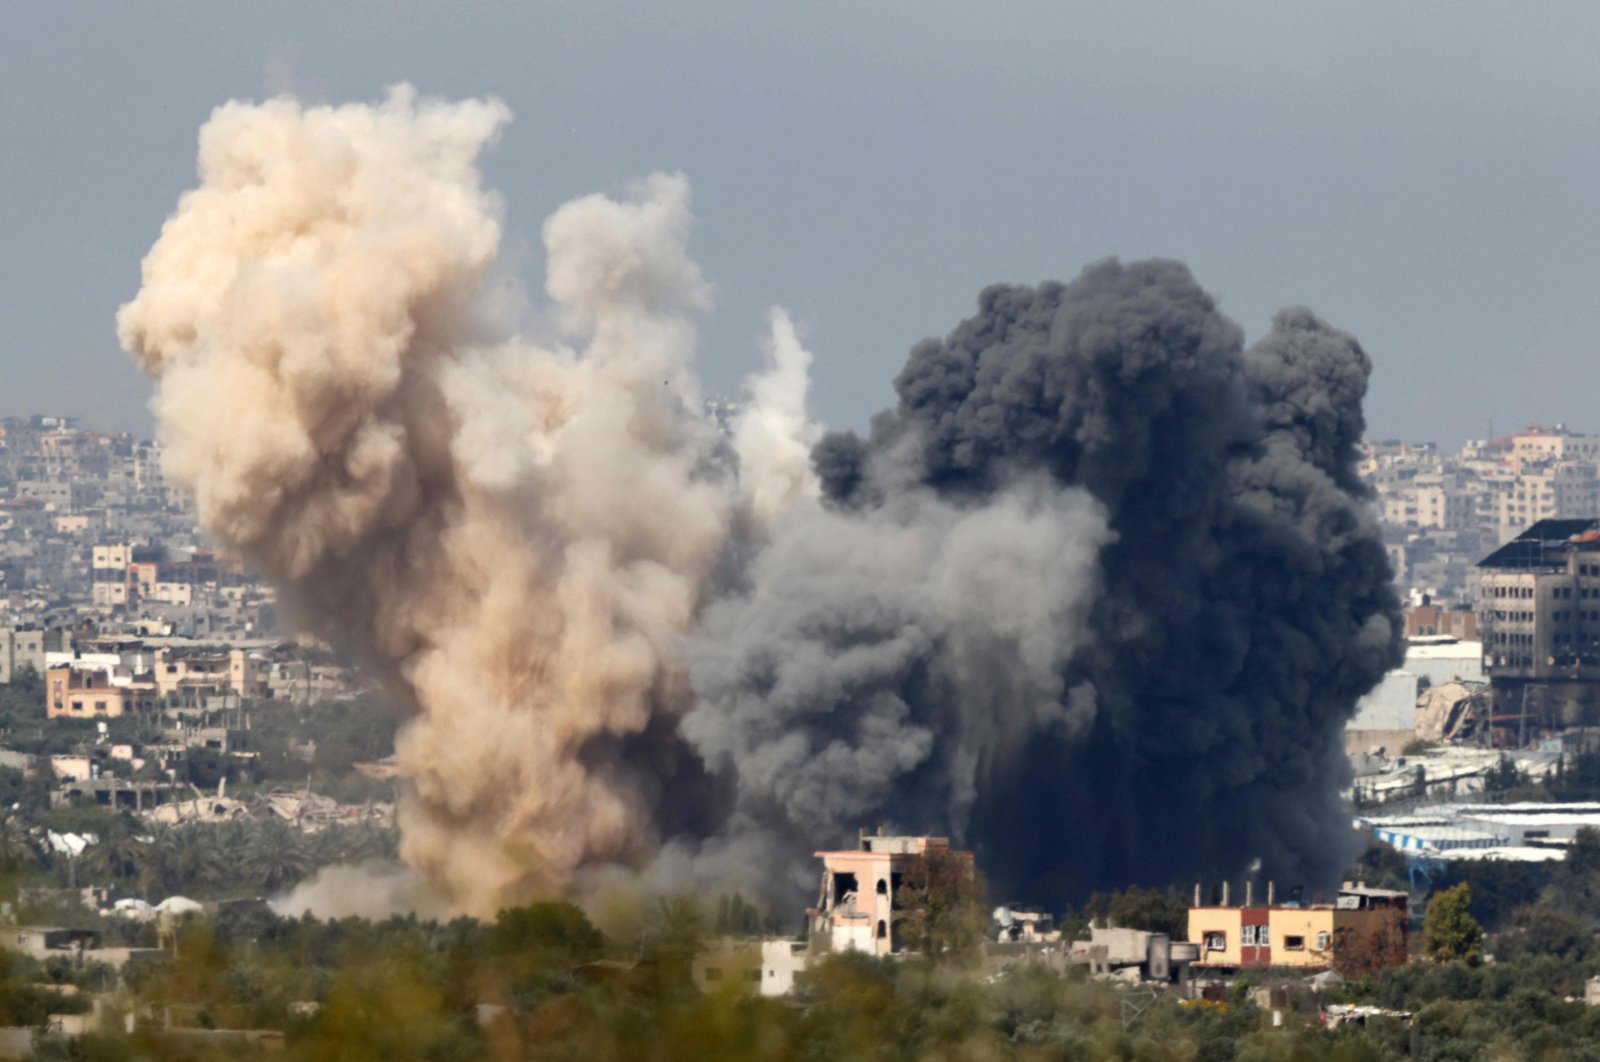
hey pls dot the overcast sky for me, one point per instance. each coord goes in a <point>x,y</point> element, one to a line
<point>1424,175</point>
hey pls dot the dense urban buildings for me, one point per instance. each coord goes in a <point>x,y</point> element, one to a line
<point>1442,512</point>
<point>98,547</point>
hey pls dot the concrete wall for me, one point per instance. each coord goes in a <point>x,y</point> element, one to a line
<point>1314,929</point>
<point>735,963</point>
<point>1206,921</point>
<point>781,962</point>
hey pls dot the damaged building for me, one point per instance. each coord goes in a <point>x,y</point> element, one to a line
<point>1539,616</point>
<point>858,905</point>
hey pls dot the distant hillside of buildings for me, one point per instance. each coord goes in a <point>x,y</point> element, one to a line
<point>1442,513</point>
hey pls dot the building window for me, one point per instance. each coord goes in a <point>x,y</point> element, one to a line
<point>1247,936</point>
<point>883,929</point>
<point>1264,936</point>
<point>1216,942</point>
<point>1323,940</point>
<point>1294,943</point>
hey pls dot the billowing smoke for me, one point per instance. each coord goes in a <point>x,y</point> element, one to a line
<point>373,890</point>
<point>1145,668</point>
<point>1096,596</point>
<point>516,537</point>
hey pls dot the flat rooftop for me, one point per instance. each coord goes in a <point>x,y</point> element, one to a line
<point>1542,547</point>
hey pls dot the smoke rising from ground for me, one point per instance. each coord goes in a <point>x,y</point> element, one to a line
<point>1096,596</point>
<point>515,537</point>
<point>374,890</point>
<point>1242,602</point>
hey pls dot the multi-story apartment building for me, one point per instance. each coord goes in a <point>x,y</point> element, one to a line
<point>210,667</point>
<point>1553,444</point>
<point>110,585</point>
<point>858,908</point>
<point>1539,619</point>
<point>84,690</point>
<point>25,647</point>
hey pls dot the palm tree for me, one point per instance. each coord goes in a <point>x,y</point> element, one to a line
<point>117,856</point>
<point>353,844</point>
<point>158,869</point>
<point>277,857</point>
<point>205,859</point>
<point>181,859</point>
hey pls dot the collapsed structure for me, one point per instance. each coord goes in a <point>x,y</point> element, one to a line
<point>858,906</point>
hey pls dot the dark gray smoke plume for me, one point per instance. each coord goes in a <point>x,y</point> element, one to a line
<point>1098,594</point>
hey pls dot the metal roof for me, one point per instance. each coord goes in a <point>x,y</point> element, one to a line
<point>1542,546</point>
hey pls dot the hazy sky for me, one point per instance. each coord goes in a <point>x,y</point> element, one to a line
<point>1423,174</point>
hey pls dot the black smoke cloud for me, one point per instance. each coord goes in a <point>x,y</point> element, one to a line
<point>1097,596</point>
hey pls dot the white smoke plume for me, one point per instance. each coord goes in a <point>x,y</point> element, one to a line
<point>515,537</point>
<point>772,434</point>
<point>374,890</point>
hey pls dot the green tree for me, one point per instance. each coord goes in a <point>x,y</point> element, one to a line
<point>1538,930</point>
<point>116,857</point>
<point>16,851</point>
<point>737,917</point>
<point>276,856</point>
<point>1504,777</point>
<point>1149,910</point>
<point>1575,882</point>
<point>189,859</point>
<point>557,932</point>
<point>1450,933</point>
<point>1577,778</point>
<point>941,907</point>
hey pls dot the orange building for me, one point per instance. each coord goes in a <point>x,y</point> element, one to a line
<point>1362,929</point>
<point>87,693</point>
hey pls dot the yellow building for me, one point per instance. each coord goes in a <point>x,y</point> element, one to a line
<point>1362,929</point>
<point>209,669</point>
<point>87,693</point>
